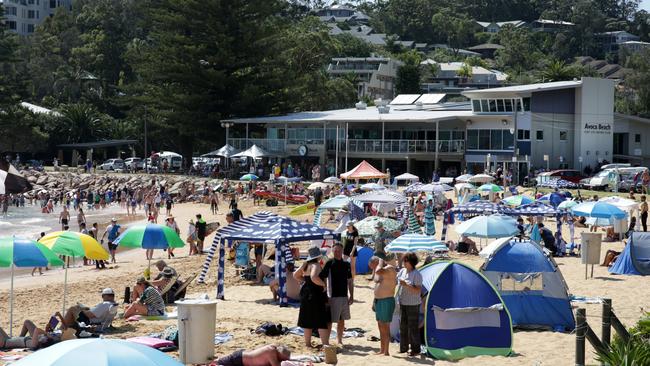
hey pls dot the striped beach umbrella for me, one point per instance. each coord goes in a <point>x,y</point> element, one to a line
<point>415,242</point>
<point>19,252</point>
<point>517,200</point>
<point>429,221</point>
<point>490,187</point>
<point>249,177</point>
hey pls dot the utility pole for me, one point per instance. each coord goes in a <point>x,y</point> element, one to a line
<point>515,150</point>
<point>146,167</point>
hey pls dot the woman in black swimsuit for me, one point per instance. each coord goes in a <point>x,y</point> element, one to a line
<point>350,240</point>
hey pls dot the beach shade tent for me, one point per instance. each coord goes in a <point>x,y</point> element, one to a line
<point>226,151</point>
<point>635,258</point>
<point>363,171</point>
<point>598,209</point>
<point>555,198</point>
<point>149,236</point>
<point>98,352</point>
<point>463,178</point>
<point>625,204</point>
<point>332,180</point>
<point>314,186</point>
<point>416,243</point>
<point>479,207</point>
<point>480,178</point>
<point>530,284</point>
<point>253,152</point>
<point>277,229</point>
<point>372,187</point>
<point>335,203</point>
<point>366,227</point>
<point>558,183</point>
<point>407,177</point>
<point>464,316</point>
<point>11,181</point>
<point>532,209</point>
<point>363,257</point>
<point>19,252</point>
<point>248,177</point>
<point>517,200</point>
<point>73,244</point>
<point>493,226</point>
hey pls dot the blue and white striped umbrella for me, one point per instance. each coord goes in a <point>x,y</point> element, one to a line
<point>598,209</point>
<point>493,226</point>
<point>478,207</point>
<point>533,209</point>
<point>415,242</point>
<point>558,183</point>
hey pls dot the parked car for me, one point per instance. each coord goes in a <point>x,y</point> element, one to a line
<point>627,181</point>
<point>567,174</point>
<point>134,164</point>
<point>113,164</point>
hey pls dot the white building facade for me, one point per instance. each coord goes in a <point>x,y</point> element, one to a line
<point>22,16</point>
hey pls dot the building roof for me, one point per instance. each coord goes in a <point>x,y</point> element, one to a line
<point>548,21</point>
<point>486,46</point>
<point>521,89</point>
<point>630,43</point>
<point>98,144</point>
<point>39,110</point>
<point>515,23</point>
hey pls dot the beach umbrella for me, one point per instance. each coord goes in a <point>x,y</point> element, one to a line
<point>413,224</point>
<point>98,352</point>
<point>149,236</point>
<point>248,177</point>
<point>463,178</point>
<point>436,188</point>
<point>413,188</point>
<point>415,242</point>
<point>480,178</point>
<point>531,209</point>
<point>556,198</point>
<point>598,209</point>
<point>599,221</point>
<point>372,187</point>
<point>333,180</point>
<point>73,244</point>
<point>567,204</point>
<point>11,181</point>
<point>493,226</point>
<point>620,202</point>
<point>366,227</point>
<point>518,200</point>
<point>489,187</point>
<point>429,221</point>
<point>19,252</point>
<point>461,186</point>
<point>321,185</point>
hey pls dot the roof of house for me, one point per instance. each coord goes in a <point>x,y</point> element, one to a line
<point>486,46</point>
<point>548,21</point>
<point>613,33</point>
<point>608,69</point>
<point>515,23</point>
<point>38,109</point>
<point>455,66</point>
<point>556,85</point>
<point>630,43</point>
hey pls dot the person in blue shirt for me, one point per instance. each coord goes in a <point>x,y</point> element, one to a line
<point>113,231</point>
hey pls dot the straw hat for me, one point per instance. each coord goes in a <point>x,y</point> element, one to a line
<point>313,253</point>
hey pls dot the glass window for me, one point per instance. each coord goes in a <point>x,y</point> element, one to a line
<point>496,143</point>
<point>564,135</point>
<point>526,102</point>
<point>472,139</point>
<point>508,105</point>
<point>444,135</point>
<point>484,105</point>
<point>500,105</point>
<point>319,133</point>
<point>484,139</point>
<point>431,135</point>
<point>458,135</point>
<point>523,134</point>
<point>375,134</point>
<point>637,137</point>
<point>508,140</point>
<point>476,105</point>
<point>517,103</point>
<point>493,105</point>
<point>539,135</point>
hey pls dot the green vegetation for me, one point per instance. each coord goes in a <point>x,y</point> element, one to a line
<point>634,352</point>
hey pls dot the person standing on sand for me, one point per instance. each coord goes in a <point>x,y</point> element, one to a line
<point>81,218</point>
<point>313,312</point>
<point>64,217</point>
<point>201,229</point>
<point>338,275</point>
<point>384,303</point>
<point>113,231</point>
<point>408,293</point>
<point>191,238</point>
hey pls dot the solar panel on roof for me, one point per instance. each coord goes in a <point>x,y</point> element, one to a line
<point>403,99</point>
<point>434,98</point>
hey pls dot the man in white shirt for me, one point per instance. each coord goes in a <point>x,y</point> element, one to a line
<point>95,316</point>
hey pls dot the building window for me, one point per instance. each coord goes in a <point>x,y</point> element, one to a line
<point>30,28</point>
<point>637,137</point>
<point>526,102</point>
<point>539,135</point>
<point>11,10</point>
<point>523,134</point>
<point>508,103</point>
<point>493,106</point>
<point>11,24</point>
<point>484,105</point>
<point>476,105</point>
<point>490,140</point>
<point>472,139</point>
<point>52,4</point>
<point>31,14</point>
<point>564,135</point>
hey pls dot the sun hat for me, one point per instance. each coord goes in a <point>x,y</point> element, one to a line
<point>108,291</point>
<point>167,272</point>
<point>313,253</point>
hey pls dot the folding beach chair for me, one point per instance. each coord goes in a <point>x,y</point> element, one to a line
<point>180,291</point>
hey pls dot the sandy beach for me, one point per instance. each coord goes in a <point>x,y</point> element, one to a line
<point>247,306</point>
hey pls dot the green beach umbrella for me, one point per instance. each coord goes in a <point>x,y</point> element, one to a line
<point>20,252</point>
<point>517,200</point>
<point>366,227</point>
<point>149,236</point>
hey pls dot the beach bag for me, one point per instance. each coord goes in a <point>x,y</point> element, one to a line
<point>270,329</point>
<point>171,334</point>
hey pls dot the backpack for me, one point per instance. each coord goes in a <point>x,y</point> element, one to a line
<point>271,329</point>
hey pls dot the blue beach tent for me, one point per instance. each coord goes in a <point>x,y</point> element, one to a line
<point>363,256</point>
<point>635,258</point>
<point>464,315</point>
<point>530,284</point>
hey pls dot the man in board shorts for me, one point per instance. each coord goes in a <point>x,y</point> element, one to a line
<point>113,231</point>
<point>337,273</point>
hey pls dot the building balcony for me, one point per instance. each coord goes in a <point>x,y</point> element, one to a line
<point>270,145</point>
<point>401,146</point>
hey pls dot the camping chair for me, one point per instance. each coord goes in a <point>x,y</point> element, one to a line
<point>242,257</point>
<point>165,290</point>
<point>108,322</point>
<point>181,289</point>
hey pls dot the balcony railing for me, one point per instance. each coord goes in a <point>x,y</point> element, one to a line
<point>271,145</point>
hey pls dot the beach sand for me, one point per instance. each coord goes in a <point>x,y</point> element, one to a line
<point>247,306</point>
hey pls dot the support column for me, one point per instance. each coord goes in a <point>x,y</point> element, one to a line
<point>247,136</point>
<point>382,137</point>
<point>408,164</point>
<point>383,165</point>
<point>436,163</point>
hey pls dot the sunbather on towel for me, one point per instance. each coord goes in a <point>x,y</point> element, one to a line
<point>95,316</point>
<point>37,338</point>
<point>270,355</point>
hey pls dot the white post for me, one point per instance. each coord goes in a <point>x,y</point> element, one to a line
<point>346,146</point>
<point>336,153</point>
<point>11,308</point>
<point>65,287</point>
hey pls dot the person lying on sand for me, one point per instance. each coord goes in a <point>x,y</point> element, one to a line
<point>269,355</point>
<point>37,338</point>
<point>95,316</point>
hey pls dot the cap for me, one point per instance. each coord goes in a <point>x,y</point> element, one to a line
<point>167,272</point>
<point>114,219</point>
<point>108,291</point>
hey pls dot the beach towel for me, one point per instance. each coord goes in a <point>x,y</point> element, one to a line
<point>151,342</point>
<point>167,316</point>
<point>221,338</point>
<point>306,358</point>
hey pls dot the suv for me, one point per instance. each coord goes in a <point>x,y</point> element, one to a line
<point>112,164</point>
<point>134,164</point>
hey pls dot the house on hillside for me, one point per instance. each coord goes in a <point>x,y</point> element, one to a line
<point>340,13</point>
<point>603,68</point>
<point>486,50</point>
<point>611,41</point>
<point>24,16</point>
<point>546,25</point>
<point>374,76</point>
<point>495,27</point>
<point>448,79</point>
<point>634,46</point>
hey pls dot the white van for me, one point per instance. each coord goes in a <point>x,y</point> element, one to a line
<point>174,160</point>
<point>615,173</point>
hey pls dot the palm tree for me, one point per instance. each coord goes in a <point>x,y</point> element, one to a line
<point>556,70</point>
<point>80,122</point>
<point>465,72</point>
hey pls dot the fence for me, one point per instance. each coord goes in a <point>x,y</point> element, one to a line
<point>584,331</point>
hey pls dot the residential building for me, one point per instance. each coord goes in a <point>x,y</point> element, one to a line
<point>487,50</point>
<point>495,27</point>
<point>633,46</point>
<point>22,16</point>
<point>375,76</point>
<point>546,25</point>
<point>447,78</point>
<point>568,123</point>
<point>611,41</point>
<point>603,68</point>
<point>340,13</point>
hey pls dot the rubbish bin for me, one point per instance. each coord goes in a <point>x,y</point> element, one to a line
<point>196,322</point>
<point>590,250</point>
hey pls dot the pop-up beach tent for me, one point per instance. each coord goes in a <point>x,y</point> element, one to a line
<point>530,284</point>
<point>363,171</point>
<point>635,258</point>
<point>464,315</point>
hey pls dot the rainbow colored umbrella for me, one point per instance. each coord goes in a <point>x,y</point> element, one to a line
<point>73,244</point>
<point>149,236</point>
<point>517,200</point>
<point>249,177</point>
<point>20,252</point>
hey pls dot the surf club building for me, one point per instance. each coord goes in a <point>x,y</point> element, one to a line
<point>558,124</point>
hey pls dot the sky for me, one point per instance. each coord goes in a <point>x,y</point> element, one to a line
<point>645,4</point>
